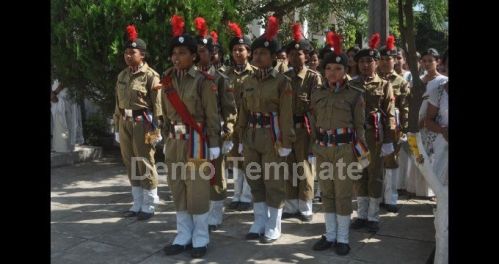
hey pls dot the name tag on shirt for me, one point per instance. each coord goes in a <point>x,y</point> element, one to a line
<point>180,129</point>
<point>128,112</point>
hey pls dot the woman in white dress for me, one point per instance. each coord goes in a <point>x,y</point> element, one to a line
<point>415,181</point>
<point>436,122</point>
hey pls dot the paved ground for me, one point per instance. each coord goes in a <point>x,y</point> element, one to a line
<point>86,227</point>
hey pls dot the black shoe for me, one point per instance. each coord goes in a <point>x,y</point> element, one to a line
<point>342,249</point>
<point>391,208</point>
<point>253,236</point>
<point>323,244</point>
<point>212,227</point>
<point>130,213</point>
<point>359,223</point>
<point>266,240</point>
<point>305,218</point>
<point>144,216</point>
<point>372,226</point>
<point>176,249</point>
<point>233,205</point>
<point>198,252</point>
<point>289,215</point>
<point>244,206</point>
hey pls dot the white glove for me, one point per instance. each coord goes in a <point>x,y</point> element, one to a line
<point>214,153</point>
<point>283,152</point>
<point>240,149</point>
<point>403,138</point>
<point>311,159</point>
<point>227,146</point>
<point>364,162</point>
<point>117,137</point>
<point>387,149</point>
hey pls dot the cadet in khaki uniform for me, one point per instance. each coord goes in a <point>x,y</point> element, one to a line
<point>328,48</point>
<point>217,59</point>
<point>191,192</point>
<point>242,69</point>
<point>228,111</point>
<point>282,61</point>
<point>137,106</point>
<point>339,109</point>
<point>266,132</point>
<point>400,91</point>
<point>300,190</point>
<point>380,126</point>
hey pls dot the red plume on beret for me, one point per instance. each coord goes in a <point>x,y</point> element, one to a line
<point>374,41</point>
<point>132,32</point>
<point>272,28</point>
<point>214,36</point>
<point>297,33</point>
<point>330,39</point>
<point>337,43</point>
<point>201,26</point>
<point>236,29</point>
<point>177,25</point>
<point>390,42</point>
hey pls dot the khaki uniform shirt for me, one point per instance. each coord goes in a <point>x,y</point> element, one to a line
<point>272,94</point>
<point>200,96</point>
<point>135,91</point>
<point>379,98</point>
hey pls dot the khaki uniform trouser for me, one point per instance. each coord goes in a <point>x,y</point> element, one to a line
<point>132,144</point>
<point>266,186</point>
<point>371,183</point>
<point>336,190</point>
<point>304,189</point>
<point>190,191</point>
<point>218,191</point>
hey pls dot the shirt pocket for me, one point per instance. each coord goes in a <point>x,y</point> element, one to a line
<point>192,100</point>
<point>250,98</point>
<point>139,90</point>
<point>375,98</point>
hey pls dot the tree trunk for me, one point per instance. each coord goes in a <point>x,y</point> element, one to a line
<point>402,26</point>
<point>418,88</point>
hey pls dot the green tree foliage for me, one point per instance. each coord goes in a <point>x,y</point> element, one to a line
<point>88,36</point>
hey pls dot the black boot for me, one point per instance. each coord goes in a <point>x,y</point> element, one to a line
<point>253,236</point>
<point>144,216</point>
<point>176,249</point>
<point>359,223</point>
<point>130,213</point>
<point>342,249</point>
<point>323,244</point>
<point>233,205</point>
<point>198,252</point>
<point>244,206</point>
<point>288,215</point>
<point>391,208</point>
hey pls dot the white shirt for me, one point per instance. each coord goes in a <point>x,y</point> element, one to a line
<point>442,104</point>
